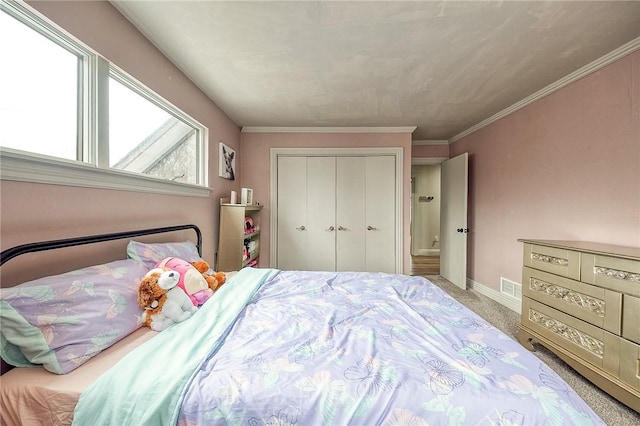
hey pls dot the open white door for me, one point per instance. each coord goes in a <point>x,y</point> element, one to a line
<point>453,220</point>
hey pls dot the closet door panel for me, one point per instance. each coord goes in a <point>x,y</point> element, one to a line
<point>337,213</point>
<point>350,214</point>
<point>321,213</point>
<point>292,213</point>
<point>380,214</point>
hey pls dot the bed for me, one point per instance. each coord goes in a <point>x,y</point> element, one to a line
<point>277,348</point>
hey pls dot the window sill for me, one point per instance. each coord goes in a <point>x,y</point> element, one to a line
<point>22,167</point>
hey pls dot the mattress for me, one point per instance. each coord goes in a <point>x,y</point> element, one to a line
<point>34,396</point>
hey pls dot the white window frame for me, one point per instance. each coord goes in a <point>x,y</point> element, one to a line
<point>92,167</point>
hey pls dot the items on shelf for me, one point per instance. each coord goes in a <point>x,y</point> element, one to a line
<point>246,196</point>
<point>250,248</point>
<point>252,264</point>
<point>248,225</point>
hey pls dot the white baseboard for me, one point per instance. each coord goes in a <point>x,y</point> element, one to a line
<point>509,302</point>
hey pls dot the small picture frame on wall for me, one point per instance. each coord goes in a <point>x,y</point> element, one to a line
<point>226,162</point>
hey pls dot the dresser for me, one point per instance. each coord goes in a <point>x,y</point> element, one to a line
<point>581,300</point>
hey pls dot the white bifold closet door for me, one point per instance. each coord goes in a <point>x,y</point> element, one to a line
<point>306,211</point>
<point>292,214</point>
<point>336,213</point>
<point>321,207</point>
<point>380,214</point>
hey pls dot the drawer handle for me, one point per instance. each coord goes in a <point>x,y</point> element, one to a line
<point>549,259</point>
<point>301,228</point>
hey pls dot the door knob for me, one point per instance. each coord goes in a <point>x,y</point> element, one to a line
<point>331,228</point>
<point>301,228</point>
<point>341,228</point>
<point>371,228</point>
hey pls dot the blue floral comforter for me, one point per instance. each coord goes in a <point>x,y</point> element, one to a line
<point>319,348</point>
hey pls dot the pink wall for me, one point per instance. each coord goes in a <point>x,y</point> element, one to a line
<point>255,163</point>
<point>430,151</point>
<point>31,212</point>
<point>565,167</point>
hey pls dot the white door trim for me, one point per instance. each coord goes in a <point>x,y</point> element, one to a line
<point>397,152</point>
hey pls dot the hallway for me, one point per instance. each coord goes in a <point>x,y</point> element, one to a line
<point>425,265</point>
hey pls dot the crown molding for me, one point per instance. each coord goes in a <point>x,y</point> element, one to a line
<point>430,142</point>
<point>257,129</point>
<point>596,65</point>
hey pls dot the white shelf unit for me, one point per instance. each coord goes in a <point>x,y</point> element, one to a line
<point>232,236</point>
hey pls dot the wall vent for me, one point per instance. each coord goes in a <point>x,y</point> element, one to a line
<point>510,288</point>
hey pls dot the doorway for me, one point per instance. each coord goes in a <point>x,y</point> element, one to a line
<point>425,218</point>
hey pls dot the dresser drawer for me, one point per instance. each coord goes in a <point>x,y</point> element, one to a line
<point>614,273</point>
<point>631,318</point>
<point>592,304</point>
<point>557,261</point>
<point>630,364</point>
<point>585,340</point>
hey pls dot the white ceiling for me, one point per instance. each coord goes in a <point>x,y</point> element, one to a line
<point>442,66</point>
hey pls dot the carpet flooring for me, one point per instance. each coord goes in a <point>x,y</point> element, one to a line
<point>610,410</point>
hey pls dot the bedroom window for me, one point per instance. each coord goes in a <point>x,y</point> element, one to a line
<point>39,80</point>
<point>145,138</point>
<point>89,123</point>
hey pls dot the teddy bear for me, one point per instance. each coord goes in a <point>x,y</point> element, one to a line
<point>214,280</point>
<point>164,303</point>
<point>198,285</point>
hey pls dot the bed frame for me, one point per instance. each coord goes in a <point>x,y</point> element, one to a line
<point>12,252</point>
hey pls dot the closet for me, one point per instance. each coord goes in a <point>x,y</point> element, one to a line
<point>337,213</point>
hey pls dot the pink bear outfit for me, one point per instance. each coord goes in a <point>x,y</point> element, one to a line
<point>191,280</point>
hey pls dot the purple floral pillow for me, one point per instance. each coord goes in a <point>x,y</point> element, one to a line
<point>62,321</point>
<point>151,254</point>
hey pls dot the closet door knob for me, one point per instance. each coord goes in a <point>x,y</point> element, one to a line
<point>331,228</point>
<point>301,228</point>
<point>371,228</point>
<point>341,228</point>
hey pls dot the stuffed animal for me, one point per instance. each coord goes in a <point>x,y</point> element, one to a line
<point>163,301</point>
<point>214,280</point>
<point>192,281</point>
